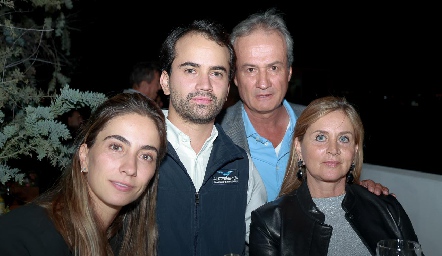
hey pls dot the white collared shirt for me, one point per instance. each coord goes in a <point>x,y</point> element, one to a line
<point>195,163</point>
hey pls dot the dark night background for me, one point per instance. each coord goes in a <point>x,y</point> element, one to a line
<point>384,58</point>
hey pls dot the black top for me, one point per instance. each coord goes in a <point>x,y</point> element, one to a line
<point>27,230</point>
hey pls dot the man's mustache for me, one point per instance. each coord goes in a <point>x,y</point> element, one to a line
<point>203,94</point>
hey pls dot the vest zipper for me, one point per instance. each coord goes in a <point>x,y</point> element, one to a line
<point>197,198</point>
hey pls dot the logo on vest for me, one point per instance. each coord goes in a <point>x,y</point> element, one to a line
<point>226,176</point>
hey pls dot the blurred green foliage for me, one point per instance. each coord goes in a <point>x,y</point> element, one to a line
<point>35,63</point>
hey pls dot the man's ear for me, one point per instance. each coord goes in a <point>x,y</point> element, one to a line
<point>228,90</point>
<point>164,81</point>
<point>290,74</point>
<point>235,81</point>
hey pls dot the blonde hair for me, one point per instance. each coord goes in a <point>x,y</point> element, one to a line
<point>315,110</point>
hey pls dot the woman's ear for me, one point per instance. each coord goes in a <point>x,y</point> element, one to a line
<point>297,147</point>
<point>82,153</point>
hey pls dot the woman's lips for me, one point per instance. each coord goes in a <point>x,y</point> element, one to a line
<point>122,186</point>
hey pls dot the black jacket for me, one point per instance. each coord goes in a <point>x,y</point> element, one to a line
<point>28,230</point>
<point>293,225</point>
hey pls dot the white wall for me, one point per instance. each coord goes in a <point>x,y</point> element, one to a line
<point>421,196</point>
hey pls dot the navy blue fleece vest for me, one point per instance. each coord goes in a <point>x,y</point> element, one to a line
<point>211,221</point>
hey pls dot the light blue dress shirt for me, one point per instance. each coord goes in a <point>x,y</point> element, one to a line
<point>270,164</point>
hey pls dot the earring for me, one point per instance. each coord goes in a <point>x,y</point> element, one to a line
<point>350,177</point>
<point>300,173</point>
<point>83,169</point>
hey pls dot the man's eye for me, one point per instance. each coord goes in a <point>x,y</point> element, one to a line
<point>189,70</point>
<point>147,157</point>
<point>218,74</point>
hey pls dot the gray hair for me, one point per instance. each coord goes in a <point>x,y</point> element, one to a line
<point>268,20</point>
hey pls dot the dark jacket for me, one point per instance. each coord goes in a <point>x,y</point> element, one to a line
<point>292,225</point>
<point>210,221</point>
<point>28,230</point>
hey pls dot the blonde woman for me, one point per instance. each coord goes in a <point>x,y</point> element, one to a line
<point>320,209</point>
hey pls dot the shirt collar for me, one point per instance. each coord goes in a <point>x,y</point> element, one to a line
<point>175,135</point>
<point>250,130</point>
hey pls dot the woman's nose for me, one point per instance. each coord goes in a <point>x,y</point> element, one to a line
<point>129,166</point>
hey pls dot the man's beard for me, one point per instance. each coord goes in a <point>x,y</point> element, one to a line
<point>196,113</point>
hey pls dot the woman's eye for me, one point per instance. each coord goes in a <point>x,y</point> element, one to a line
<point>320,137</point>
<point>344,139</point>
<point>115,147</point>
